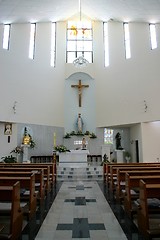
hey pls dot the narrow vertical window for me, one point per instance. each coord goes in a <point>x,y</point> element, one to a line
<point>127,41</point>
<point>106,44</point>
<point>32,41</point>
<point>53,44</point>
<point>152,28</point>
<point>108,136</point>
<point>6,36</point>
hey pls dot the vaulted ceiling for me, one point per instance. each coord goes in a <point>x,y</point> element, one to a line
<point>20,11</point>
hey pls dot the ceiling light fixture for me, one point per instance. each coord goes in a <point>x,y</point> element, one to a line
<point>80,61</point>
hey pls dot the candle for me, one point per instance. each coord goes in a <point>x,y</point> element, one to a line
<point>54,139</point>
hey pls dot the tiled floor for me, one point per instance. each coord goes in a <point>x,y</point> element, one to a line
<point>81,210</point>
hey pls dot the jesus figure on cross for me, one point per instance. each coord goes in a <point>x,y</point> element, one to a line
<point>80,86</point>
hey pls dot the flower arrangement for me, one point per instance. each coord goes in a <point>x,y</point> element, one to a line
<point>17,150</point>
<point>67,135</point>
<point>61,148</point>
<point>79,133</point>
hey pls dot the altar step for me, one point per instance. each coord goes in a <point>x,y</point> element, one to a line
<point>85,173</point>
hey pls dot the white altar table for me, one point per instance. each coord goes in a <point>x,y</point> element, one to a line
<point>74,158</point>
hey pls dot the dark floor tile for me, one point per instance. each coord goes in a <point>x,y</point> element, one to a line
<point>64,226</point>
<point>79,187</point>
<point>80,228</point>
<point>97,226</point>
<point>80,201</point>
<point>90,200</point>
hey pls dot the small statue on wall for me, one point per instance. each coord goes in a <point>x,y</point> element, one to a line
<point>118,141</point>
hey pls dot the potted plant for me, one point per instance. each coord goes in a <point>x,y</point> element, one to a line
<point>127,156</point>
<point>9,159</point>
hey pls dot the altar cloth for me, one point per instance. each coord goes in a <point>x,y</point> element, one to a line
<point>74,158</point>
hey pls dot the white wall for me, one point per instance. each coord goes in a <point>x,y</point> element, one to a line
<point>37,87</point>
<point>125,84</point>
<point>136,135</point>
<point>5,146</point>
<point>151,141</point>
<point>120,89</point>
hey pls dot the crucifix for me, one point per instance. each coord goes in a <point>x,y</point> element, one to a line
<point>80,86</point>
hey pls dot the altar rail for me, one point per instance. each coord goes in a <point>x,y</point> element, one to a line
<point>49,158</point>
<point>43,159</point>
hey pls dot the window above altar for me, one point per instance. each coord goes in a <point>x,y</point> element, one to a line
<point>79,41</point>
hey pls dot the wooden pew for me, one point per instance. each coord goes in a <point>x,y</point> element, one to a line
<point>26,183</point>
<point>107,167</point>
<point>30,167</point>
<point>39,178</point>
<point>148,191</point>
<point>11,225</point>
<point>52,167</point>
<point>132,184</point>
<point>51,174</point>
<point>114,177</point>
<point>121,181</point>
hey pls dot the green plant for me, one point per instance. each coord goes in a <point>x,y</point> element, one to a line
<point>9,159</point>
<point>92,135</point>
<point>87,133</point>
<point>61,148</point>
<point>17,150</point>
<point>32,142</point>
<point>127,154</point>
<point>79,133</point>
<point>105,159</point>
<point>67,135</point>
<point>72,133</point>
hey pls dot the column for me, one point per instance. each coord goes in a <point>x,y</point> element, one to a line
<point>25,153</point>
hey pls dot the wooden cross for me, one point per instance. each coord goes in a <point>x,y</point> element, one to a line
<point>80,87</point>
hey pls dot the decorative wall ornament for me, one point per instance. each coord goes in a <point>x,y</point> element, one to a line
<point>145,106</point>
<point>80,62</point>
<point>8,129</point>
<point>15,107</point>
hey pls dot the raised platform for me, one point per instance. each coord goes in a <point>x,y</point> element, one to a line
<point>85,173</point>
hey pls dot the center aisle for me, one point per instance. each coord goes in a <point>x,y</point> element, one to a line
<point>80,211</point>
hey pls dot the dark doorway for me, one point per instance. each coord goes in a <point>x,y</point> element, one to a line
<point>137,151</point>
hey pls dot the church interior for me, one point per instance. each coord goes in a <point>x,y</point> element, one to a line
<point>82,91</point>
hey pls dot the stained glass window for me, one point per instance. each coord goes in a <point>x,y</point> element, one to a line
<point>79,41</point>
<point>108,136</point>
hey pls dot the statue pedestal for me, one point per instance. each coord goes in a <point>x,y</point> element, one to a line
<point>119,155</point>
<point>25,153</point>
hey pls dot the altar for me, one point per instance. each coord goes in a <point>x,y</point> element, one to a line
<point>74,158</point>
